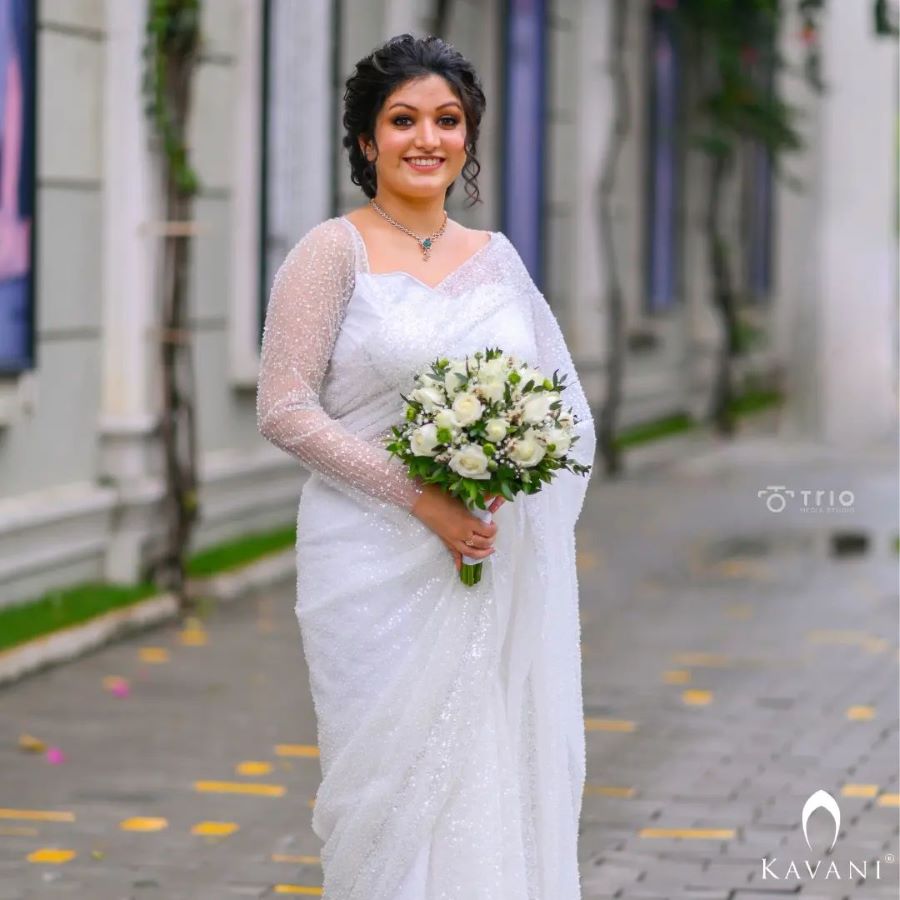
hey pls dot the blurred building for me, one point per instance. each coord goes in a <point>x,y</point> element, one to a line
<point>79,378</point>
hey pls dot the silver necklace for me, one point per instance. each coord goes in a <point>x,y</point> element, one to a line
<point>424,243</point>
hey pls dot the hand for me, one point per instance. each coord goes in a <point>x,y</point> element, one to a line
<point>449,519</point>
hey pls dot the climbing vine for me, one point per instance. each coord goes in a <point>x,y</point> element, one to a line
<point>171,48</point>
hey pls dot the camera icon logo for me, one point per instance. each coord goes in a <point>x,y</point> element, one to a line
<point>776,496</point>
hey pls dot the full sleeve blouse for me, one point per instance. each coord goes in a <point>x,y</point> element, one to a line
<point>306,307</point>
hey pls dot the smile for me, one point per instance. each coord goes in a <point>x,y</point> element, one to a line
<point>423,163</point>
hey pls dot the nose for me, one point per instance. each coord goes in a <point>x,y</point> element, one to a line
<point>426,134</point>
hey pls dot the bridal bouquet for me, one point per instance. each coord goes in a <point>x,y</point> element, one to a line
<point>484,426</point>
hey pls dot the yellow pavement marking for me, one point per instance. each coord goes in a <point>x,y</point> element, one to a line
<point>192,637</point>
<point>740,611</point>
<point>739,568</point>
<point>143,823</point>
<point>677,676</point>
<point>837,636</point>
<point>217,829</point>
<point>239,787</point>
<point>42,815</point>
<point>252,767</point>
<point>51,855</point>
<point>608,790</point>
<point>697,698</point>
<point>874,645</point>
<point>701,834</point>
<point>861,713</point>
<point>888,800</point>
<point>296,858</point>
<point>153,654</point>
<point>19,830</point>
<point>592,724</point>
<point>701,660</point>
<point>586,560</point>
<point>31,743</point>
<point>859,790</point>
<point>296,750</point>
<point>298,889</point>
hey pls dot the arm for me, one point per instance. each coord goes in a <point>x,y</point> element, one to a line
<point>304,314</point>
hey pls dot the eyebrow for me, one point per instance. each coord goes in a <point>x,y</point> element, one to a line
<point>410,106</point>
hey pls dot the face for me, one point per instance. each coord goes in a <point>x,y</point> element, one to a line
<point>422,118</point>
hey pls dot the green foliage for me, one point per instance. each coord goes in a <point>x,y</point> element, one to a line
<point>64,607</point>
<point>734,46</point>
<point>239,552</point>
<point>172,41</point>
<point>59,609</point>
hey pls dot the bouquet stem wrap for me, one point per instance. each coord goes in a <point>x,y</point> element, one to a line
<point>470,571</point>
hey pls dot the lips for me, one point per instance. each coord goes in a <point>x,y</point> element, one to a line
<point>433,163</point>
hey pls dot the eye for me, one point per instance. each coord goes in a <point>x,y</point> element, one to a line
<point>452,120</point>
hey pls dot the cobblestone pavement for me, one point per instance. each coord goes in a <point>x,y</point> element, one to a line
<point>736,661</point>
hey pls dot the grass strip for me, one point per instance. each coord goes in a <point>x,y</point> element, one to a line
<point>63,607</point>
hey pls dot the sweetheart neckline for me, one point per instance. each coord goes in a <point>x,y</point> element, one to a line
<point>431,287</point>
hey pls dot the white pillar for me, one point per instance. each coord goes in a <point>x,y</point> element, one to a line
<point>842,366</point>
<point>130,202</point>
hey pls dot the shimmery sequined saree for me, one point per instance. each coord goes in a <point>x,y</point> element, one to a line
<point>449,717</point>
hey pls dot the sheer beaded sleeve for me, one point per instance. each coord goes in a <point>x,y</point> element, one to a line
<point>304,315</point>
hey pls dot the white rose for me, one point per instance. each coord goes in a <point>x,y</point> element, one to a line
<point>490,389</point>
<point>561,439</point>
<point>452,380</point>
<point>492,369</point>
<point>470,461</point>
<point>566,419</point>
<point>527,450</point>
<point>468,408</point>
<point>536,406</point>
<point>529,374</point>
<point>446,418</point>
<point>429,397</point>
<point>496,429</point>
<point>423,440</point>
<point>426,379</point>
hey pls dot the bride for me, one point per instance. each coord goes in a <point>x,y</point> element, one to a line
<point>450,724</point>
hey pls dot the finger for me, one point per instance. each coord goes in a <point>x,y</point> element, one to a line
<point>457,559</point>
<point>477,552</point>
<point>498,502</point>
<point>485,529</point>
<point>479,542</point>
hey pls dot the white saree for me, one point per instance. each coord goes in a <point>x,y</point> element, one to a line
<point>450,723</point>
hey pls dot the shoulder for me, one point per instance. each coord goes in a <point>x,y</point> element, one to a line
<point>333,232</point>
<point>328,243</point>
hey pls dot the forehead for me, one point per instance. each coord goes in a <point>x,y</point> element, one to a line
<point>425,91</point>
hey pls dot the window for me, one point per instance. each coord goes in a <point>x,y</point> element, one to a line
<point>662,259</point>
<point>758,198</point>
<point>17,185</point>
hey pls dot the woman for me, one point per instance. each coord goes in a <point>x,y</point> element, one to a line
<point>450,725</point>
